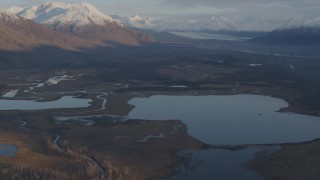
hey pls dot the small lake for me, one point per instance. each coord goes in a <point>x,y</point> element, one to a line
<point>8,150</point>
<point>63,102</point>
<point>230,120</point>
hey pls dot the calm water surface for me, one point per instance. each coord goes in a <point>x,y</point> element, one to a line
<point>8,150</point>
<point>227,120</point>
<point>230,120</point>
<point>217,164</point>
<point>63,102</point>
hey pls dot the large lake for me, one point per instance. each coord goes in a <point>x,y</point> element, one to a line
<point>63,102</point>
<point>230,120</point>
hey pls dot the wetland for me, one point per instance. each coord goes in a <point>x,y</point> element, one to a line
<point>180,111</point>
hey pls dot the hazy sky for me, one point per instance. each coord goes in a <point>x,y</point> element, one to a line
<point>269,8</point>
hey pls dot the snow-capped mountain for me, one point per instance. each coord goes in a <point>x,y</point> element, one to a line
<point>8,17</point>
<point>214,23</point>
<point>136,21</point>
<point>65,13</point>
<point>17,33</point>
<point>14,10</point>
<point>301,30</point>
<point>82,20</point>
<point>177,24</point>
<point>302,21</point>
<point>10,39</point>
<point>219,23</point>
<point>139,22</point>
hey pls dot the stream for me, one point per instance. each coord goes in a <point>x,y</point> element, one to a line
<point>160,136</point>
<point>97,164</point>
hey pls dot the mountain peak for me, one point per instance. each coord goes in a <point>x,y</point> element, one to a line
<point>84,21</point>
<point>135,17</point>
<point>138,21</point>
<point>302,22</point>
<point>65,13</point>
<point>219,18</point>
<point>8,17</point>
<point>220,23</point>
<point>54,4</point>
<point>14,9</point>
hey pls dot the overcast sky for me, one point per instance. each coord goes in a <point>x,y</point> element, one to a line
<point>259,8</point>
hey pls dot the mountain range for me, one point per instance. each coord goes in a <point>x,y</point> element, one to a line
<point>76,26</point>
<point>17,33</point>
<point>297,31</point>
<point>177,24</point>
<point>218,23</point>
<point>70,18</point>
<point>303,30</point>
<point>294,36</point>
<point>207,23</point>
<point>67,26</point>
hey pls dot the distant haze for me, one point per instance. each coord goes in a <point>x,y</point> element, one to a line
<point>253,8</point>
<point>202,15</point>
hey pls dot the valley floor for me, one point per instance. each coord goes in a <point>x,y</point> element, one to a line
<point>99,143</point>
